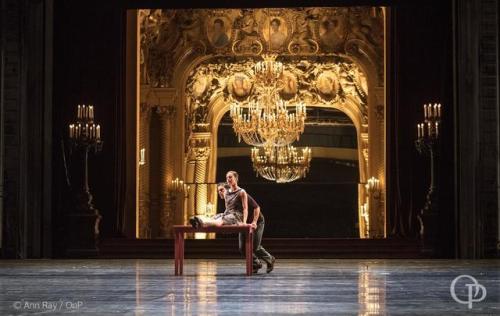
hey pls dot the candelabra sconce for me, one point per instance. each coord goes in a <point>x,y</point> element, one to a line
<point>427,144</point>
<point>373,187</point>
<point>372,198</point>
<point>177,187</point>
<point>186,190</point>
<point>84,219</point>
<point>366,218</point>
<point>142,157</point>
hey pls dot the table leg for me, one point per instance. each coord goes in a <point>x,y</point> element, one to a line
<point>250,237</point>
<point>249,256</point>
<point>181,254</point>
<point>176,252</point>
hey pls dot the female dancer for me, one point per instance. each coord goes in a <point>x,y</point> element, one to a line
<point>236,200</point>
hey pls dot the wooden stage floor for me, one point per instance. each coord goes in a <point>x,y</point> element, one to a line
<point>219,287</point>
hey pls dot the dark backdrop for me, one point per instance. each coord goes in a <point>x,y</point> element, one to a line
<point>420,71</point>
<point>89,68</point>
<point>324,204</point>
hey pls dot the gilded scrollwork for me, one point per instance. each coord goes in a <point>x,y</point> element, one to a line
<point>190,26</point>
<point>247,38</point>
<point>314,83</point>
<point>330,83</point>
<point>199,147</point>
<point>155,64</point>
<point>168,35</point>
<point>304,39</point>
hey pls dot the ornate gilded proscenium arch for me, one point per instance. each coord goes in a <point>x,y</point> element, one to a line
<point>337,84</point>
<point>193,60</point>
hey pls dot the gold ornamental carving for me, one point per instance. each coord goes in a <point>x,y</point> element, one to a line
<point>199,147</point>
<point>315,83</point>
<point>166,111</point>
<point>167,36</point>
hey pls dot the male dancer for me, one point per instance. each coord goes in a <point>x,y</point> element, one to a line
<point>256,219</point>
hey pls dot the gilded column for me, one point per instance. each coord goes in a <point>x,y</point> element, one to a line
<point>167,199</point>
<point>199,151</point>
<point>144,216</point>
<point>190,203</point>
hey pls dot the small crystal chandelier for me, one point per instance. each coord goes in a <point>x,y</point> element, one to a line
<point>281,164</point>
<point>267,120</point>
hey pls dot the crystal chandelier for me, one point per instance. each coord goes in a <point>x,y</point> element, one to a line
<point>267,120</point>
<point>268,124</point>
<point>281,164</point>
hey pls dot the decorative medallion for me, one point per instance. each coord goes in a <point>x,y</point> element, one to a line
<point>290,83</point>
<point>239,86</point>
<point>327,85</point>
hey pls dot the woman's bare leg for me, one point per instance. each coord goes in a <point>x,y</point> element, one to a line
<point>209,221</point>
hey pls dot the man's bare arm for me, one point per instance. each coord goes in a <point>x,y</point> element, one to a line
<point>256,214</point>
<point>244,201</point>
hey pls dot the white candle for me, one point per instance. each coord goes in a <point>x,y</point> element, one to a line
<point>439,110</point>
<point>437,128</point>
<point>98,131</point>
<point>79,111</point>
<point>425,110</point>
<point>91,110</point>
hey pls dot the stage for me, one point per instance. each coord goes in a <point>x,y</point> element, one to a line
<point>219,287</point>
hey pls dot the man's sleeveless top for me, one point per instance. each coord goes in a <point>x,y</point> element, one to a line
<point>252,205</point>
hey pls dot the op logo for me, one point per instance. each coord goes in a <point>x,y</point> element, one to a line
<point>472,290</point>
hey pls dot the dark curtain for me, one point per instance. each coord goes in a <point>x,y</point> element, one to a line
<point>89,69</point>
<point>420,71</point>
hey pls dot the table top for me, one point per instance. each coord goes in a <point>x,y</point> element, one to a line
<point>214,229</point>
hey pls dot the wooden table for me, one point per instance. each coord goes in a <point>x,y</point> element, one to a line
<point>180,230</point>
